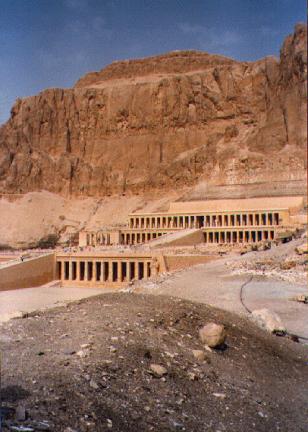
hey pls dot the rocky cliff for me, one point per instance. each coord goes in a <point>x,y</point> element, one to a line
<point>162,123</point>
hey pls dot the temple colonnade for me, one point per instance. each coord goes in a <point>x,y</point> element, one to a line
<point>137,237</point>
<point>238,219</point>
<point>210,236</point>
<point>239,236</point>
<point>107,270</point>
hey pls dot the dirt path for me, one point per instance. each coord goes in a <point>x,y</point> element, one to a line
<point>214,284</point>
<point>14,303</point>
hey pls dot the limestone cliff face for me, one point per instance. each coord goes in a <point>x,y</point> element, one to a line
<point>161,123</point>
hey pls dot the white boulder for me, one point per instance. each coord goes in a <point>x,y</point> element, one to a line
<point>268,320</point>
<point>212,334</point>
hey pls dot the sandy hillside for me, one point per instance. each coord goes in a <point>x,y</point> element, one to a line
<point>27,220</point>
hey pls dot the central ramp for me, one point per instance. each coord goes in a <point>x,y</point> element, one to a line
<point>185,237</point>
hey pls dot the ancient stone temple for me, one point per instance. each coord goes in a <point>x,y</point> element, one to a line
<point>220,221</point>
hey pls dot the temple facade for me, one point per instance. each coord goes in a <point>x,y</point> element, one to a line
<point>221,221</point>
<point>112,270</point>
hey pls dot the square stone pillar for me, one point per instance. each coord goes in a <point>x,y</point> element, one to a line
<point>94,271</point>
<point>102,275</point>
<point>128,272</point>
<point>70,270</point>
<point>86,272</point>
<point>78,270</point>
<point>110,277</point>
<point>119,264</point>
<point>62,270</point>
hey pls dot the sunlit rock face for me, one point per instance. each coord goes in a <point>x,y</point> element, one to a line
<point>161,123</point>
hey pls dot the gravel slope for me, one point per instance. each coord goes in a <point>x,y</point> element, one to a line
<point>86,366</point>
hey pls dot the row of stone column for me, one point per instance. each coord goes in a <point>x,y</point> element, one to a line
<point>164,222</point>
<point>238,236</point>
<point>97,239</point>
<point>103,271</point>
<point>137,238</point>
<point>204,221</point>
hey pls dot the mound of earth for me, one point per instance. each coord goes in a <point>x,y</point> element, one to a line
<point>86,367</point>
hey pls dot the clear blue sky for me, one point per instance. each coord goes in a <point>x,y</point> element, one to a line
<point>51,43</point>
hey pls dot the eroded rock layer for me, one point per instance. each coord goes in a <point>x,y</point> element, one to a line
<point>161,123</point>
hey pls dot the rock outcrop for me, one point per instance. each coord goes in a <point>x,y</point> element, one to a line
<point>161,123</point>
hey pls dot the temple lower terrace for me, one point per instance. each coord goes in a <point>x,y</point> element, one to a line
<point>91,269</point>
<point>221,221</point>
<point>101,269</point>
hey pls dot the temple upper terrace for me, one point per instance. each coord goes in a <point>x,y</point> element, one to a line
<point>221,221</point>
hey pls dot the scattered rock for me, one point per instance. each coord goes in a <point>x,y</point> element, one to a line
<point>15,428</point>
<point>269,321</point>
<point>219,395</point>
<point>302,249</point>
<point>199,355</point>
<point>82,353</point>
<point>68,352</point>
<point>177,425</point>
<point>213,334</point>
<point>158,370</point>
<point>42,426</point>
<point>20,413</point>
<point>302,298</point>
<point>192,376</point>
<point>287,265</point>
<point>93,385</point>
<point>86,345</point>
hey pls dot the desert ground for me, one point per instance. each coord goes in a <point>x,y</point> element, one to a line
<point>87,367</point>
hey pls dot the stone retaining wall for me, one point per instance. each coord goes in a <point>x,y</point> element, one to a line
<point>30,273</point>
<point>176,262</point>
